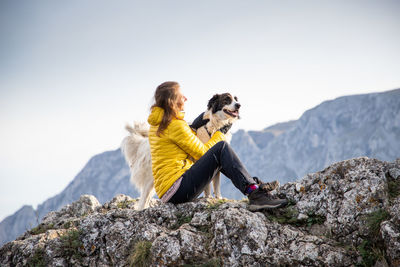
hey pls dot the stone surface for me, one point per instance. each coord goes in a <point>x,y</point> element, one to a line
<point>391,235</point>
<point>324,225</point>
<point>394,173</point>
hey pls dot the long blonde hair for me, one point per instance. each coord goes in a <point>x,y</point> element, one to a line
<point>166,97</point>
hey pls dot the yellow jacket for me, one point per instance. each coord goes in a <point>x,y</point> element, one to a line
<point>171,150</point>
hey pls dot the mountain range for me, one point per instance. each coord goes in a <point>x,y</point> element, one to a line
<point>336,130</point>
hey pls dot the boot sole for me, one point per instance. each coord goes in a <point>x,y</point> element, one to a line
<point>267,206</point>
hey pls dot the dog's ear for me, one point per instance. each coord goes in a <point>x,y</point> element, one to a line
<point>212,101</point>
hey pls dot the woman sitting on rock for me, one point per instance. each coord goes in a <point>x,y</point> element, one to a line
<point>176,178</point>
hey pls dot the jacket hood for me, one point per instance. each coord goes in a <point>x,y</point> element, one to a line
<point>157,114</point>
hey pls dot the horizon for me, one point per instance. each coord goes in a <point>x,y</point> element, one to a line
<point>74,73</point>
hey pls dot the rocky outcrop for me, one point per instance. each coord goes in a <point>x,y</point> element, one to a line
<point>344,215</point>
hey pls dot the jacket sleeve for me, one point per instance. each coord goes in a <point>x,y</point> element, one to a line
<point>181,134</point>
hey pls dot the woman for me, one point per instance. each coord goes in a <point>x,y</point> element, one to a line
<point>173,143</point>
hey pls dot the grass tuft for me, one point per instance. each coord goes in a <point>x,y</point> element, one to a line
<point>315,219</point>
<point>41,228</point>
<point>215,203</point>
<point>71,245</point>
<point>289,214</point>
<point>181,219</point>
<point>369,253</point>
<point>125,204</point>
<point>374,220</point>
<point>394,188</point>
<point>371,248</point>
<point>141,254</point>
<point>37,259</point>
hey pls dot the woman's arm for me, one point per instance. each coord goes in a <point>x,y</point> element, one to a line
<point>198,122</point>
<point>181,134</point>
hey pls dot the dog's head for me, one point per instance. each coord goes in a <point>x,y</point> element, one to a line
<point>224,106</point>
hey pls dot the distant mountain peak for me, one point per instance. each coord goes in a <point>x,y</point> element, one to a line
<point>279,128</point>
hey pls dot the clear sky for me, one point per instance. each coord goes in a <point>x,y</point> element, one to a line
<point>73,73</point>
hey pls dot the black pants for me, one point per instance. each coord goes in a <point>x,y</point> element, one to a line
<point>220,157</point>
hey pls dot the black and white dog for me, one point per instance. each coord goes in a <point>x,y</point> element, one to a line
<point>222,111</point>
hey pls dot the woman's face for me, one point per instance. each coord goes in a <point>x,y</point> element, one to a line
<point>181,99</point>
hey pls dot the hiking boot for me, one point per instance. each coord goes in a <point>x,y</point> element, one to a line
<point>269,186</point>
<point>259,199</point>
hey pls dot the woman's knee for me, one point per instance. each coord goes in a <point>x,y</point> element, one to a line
<point>222,144</point>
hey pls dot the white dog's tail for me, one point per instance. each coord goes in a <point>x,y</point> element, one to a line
<point>139,128</point>
<point>131,144</point>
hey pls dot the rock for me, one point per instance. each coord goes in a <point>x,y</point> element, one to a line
<point>327,223</point>
<point>120,201</point>
<point>343,191</point>
<point>302,216</point>
<point>86,204</point>
<point>391,236</point>
<point>299,188</point>
<point>394,173</point>
<point>394,210</point>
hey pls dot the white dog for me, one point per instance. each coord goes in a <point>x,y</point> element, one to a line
<point>222,110</point>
